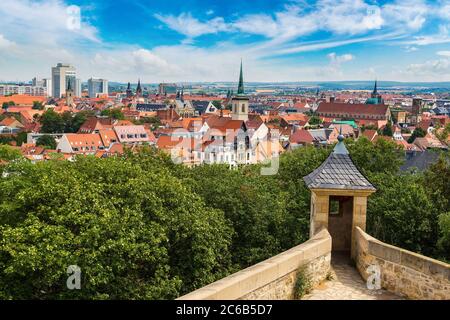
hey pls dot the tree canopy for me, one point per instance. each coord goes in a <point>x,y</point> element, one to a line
<point>141,227</point>
<point>46,141</point>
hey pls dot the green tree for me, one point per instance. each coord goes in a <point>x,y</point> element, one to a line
<point>387,130</point>
<point>444,239</point>
<point>37,105</point>
<point>379,157</point>
<point>314,121</point>
<point>47,142</point>
<point>135,233</point>
<point>73,121</point>
<point>417,133</point>
<point>7,153</point>
<point>115,113</point>
<point>51,122</point>
<point>21,138</point>
<point>400,213</point>
<point>217,104</point>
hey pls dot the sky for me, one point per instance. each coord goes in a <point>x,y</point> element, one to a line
<point>204,41</point>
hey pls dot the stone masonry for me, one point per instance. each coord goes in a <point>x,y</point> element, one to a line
<point>403,272</point>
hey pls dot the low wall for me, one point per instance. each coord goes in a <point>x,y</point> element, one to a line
<point>274,278</point>
<point>403,272</point>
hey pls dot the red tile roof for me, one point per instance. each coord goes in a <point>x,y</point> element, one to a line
<point>356,108</point>
<point>300,137</point>
<point>19,99</point>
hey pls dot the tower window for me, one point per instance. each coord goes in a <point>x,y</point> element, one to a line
<point>334,206</point>
<point>243,107</point>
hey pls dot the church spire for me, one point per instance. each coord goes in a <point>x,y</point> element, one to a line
<point>69,87</point>
<point>375,89</point>
<point>139,89</point>
<point>241,82</point>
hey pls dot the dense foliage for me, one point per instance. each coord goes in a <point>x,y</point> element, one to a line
<point>67,122</point>
<point>47,142</point>
<point>417,133</point>
<point>142,227</point>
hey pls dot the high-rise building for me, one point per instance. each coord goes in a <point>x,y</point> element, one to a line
<point>77,89</point>
<point>61,75</point>
<point>167,88</point>
<point>97,86</point>
<point>47,82</point>
<point>36,82</point>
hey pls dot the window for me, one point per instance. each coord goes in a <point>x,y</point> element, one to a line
<point>243,107</point>
<point>334,206</point>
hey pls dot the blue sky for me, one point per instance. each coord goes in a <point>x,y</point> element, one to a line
<point>199,40</point>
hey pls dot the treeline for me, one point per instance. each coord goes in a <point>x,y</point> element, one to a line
<point>142,227</point>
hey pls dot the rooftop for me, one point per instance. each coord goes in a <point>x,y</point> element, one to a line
<point>338,172</point>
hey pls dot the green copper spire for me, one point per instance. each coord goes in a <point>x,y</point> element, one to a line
<point>241,82</point>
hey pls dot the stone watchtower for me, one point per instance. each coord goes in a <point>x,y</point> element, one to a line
<point>338,198</point>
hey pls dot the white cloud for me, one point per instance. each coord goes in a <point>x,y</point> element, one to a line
<point>340,17</point>
<point>444,53</point>
<point>44,22</point>
<point>38,30</point>
<point>411,49</point>
<point>191,27</point>
<point>408,13</point>
<point>5,43</point>
<point>432,70</point>
<point>443,36</point>
<point>335,59</point>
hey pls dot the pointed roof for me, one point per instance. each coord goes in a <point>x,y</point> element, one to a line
<point>138,89</point>
<point>338,172</point>
<point>129,86</point>
<point>241,82</point>
<point>69,87</point>
<point>375,89</point>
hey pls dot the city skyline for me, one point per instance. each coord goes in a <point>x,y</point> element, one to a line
<point>199,41</point>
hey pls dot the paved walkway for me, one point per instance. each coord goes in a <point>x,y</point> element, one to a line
<point>347,284</point>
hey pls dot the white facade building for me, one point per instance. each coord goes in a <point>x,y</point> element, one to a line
<point>97,86</point>
<point>29,90</point>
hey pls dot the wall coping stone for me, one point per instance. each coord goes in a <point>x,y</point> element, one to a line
<point>261,274</point>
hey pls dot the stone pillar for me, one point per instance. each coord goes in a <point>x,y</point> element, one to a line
<point>319,212</point>
<point>359,218</point>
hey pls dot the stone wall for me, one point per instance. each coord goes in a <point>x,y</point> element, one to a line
<point>403,272</point>
<point>274,278</point>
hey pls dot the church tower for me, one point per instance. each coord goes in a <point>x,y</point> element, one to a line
<point>69,95</point>
<point>375,97</point>
<point>139,89</point>
<point>129,91</point>
<point>240,102</point>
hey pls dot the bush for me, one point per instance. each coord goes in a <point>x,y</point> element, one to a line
<point>303,284</point>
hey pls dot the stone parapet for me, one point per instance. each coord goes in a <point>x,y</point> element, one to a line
<point>274,278</point>
<point>403,272</point>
